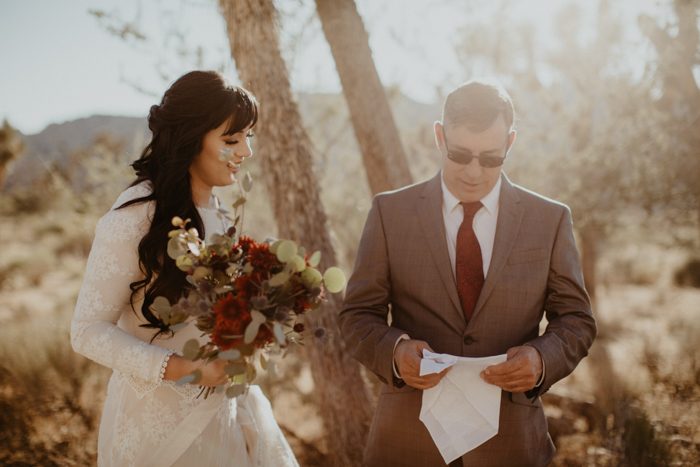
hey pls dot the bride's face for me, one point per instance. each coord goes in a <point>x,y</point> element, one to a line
<point>221,156</point>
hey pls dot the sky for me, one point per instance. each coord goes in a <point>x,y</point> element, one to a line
<point>60,62</point>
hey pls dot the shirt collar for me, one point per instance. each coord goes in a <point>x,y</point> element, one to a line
<point>490,201</point>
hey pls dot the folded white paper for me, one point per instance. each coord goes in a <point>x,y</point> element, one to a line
<point>462,411</point>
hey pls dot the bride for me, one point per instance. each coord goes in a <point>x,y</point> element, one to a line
<point>200,137</point>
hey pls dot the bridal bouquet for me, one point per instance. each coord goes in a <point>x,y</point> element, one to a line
<point>249,298</point>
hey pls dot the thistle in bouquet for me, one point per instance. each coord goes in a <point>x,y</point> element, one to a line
<point>248,298</point>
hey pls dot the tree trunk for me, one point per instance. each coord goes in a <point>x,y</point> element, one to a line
<point>285,150</point>
<point>677,53</point>
<point>382,152</point>
<point>677,60</point>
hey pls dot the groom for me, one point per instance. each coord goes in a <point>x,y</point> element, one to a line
<point>466,264</point>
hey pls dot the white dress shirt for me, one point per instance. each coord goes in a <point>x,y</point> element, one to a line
<point>484,223</point>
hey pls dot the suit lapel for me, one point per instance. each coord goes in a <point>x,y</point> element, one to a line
<point>431,220</point>
<point>510,214</point>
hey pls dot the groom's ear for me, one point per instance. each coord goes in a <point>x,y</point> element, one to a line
<point>439,135</point>
<point>511,139</point>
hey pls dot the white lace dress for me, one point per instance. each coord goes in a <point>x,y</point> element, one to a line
<point>147,421</point>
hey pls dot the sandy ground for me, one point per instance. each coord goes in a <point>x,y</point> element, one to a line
<point>649,332</point>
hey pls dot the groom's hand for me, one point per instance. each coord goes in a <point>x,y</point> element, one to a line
<point>519,373</point>
<point>407,357</point>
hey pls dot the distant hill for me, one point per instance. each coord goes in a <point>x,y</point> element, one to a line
<point>54,145</point>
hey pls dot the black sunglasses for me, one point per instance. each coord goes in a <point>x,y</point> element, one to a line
<point>465,158</point>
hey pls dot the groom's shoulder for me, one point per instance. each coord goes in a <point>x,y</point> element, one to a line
<point>537,200</point>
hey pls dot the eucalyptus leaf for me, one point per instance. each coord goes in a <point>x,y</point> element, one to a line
<point>161,306</point>
<point>184,263</point>
<point>247,349</point>
<point>191,378</point>
<point>315,259</point>
<point>298,263</point>
<point>191,349</point>
<point>311,277</point>
<point>286,250</point>
<point>257,316</point>
<point>279,333</point>
<point>279,279</point>
<point>247,182</point>
<point>176,247</point>
<point>235,390</point>
<point>231,354</point>
<point>177,317</point>
<point>251,331</point>
<point>187,379</point>
<point>235,368</point>
<point>217,238</point>
<point>334,279</point>
<point>239,202</point>
<point>178,326</point>
<point>239,378</point>
<point>263,362</point>
<point>200,272</point>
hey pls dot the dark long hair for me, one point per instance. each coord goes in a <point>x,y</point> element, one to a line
<point>195,104</point>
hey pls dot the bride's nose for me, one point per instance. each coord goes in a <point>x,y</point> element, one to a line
<point>246,152</point>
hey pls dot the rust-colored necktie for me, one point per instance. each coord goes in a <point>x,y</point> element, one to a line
<point>469,266</point>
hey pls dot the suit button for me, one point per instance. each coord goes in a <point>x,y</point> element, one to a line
<point>468,340</point>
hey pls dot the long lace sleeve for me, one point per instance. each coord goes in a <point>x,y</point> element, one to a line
<point>105,294</point>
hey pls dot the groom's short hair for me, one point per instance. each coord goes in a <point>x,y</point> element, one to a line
<point>478,103</point>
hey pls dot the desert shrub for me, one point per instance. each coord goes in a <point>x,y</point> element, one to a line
<point>685,376</point>
<point>688,275</point>
<point>621,422</point>
<point>45,416</point>
<point>632,264</point>
<point>75,242</point>
<point>642,444</point>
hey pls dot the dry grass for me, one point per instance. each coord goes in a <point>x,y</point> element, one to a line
<point>634,401</point>
<point>50,396</point>
<point>636,396</point>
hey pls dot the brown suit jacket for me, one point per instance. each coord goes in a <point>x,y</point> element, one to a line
<point>403,266</point>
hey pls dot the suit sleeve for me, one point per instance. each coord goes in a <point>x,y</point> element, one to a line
<point>571,327</point>
<point>363,318</point>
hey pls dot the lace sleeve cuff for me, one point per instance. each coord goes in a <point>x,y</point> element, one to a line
<point>164,365</point>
